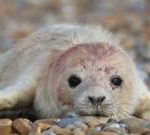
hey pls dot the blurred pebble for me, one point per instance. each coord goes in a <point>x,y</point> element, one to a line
<point>48,121</point>
<point>136,125</point>
<point>38,127</point>
<point>108,133</point>
<point>56,128</point>
<point>66,121</point>
<point>5,126</point>
<point>22,126</point>
<point>48,132</point>
<point>92,121</point>
<point>78,131</point>
<point>114,127</point>
<point>62,131</point>
<point>136,122</point>
<point>80,124</point>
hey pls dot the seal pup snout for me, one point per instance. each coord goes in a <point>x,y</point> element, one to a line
<point>96,100</point>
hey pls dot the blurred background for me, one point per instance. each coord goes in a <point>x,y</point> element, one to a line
<point>128,19</point>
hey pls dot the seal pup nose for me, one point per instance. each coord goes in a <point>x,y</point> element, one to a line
<point>96,100</point>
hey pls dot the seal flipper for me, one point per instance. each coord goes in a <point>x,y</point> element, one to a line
<point>26,112</point>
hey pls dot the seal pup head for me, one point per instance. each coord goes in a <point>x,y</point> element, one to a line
<point>92,79</point>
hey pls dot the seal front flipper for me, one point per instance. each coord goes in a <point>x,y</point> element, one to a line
<point>14,113</point>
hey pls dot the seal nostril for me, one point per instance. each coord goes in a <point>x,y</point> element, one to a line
<point>101,99</point>
<point>92,99</point>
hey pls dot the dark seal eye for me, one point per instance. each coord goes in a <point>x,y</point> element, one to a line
<point>74,81</point>
<point>116,80</point>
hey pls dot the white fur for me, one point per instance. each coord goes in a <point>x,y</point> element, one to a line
<point>22,67</point>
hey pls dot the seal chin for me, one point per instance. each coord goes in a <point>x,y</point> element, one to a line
<point>105,112</point>
<point>95,114</point>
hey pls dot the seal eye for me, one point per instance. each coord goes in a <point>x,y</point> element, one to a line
<point>117,81</point>
<point>74,81</point>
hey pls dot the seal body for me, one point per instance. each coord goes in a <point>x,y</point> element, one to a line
<point>63,68</point>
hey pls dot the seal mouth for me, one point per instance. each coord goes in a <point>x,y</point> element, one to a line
<point>95,111</point>
<point>98,114</point>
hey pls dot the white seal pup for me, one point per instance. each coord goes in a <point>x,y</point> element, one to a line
<point>64,68</point>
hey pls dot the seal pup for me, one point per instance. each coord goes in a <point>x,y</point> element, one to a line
<point>71,68</point>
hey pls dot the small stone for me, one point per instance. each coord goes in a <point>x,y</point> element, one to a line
<point>22,126</point>
<point>136,125</point>
<point>98,129</point>
<point>139,130</point>
<point>94,132</point>
<point>48,132</point>
<point>5,126</point>
<point>80,124</point>
<point>108,133</point>
<point>39,127</point>
<point>124,126</point>
<point>61,131</point>
<point>66,121</point>
<point>70,127</point>
<point>146,114</point>
<point>91,121</point>
<point>104,120</point>
<point>134,134</point>
<point>48,121</point>
<point>78,131</point>
<point>146,133</point>
<point>114,127</point>
<point>66,132</point>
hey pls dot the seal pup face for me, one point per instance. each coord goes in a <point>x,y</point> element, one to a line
<point>95,79</point>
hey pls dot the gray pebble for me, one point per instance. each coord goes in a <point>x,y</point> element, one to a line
<point>80,124</point>
<point>136,125</point>
<point>98,129</point>
<point>114,127</point>
<point>66,121</point>
<point>48,132</point>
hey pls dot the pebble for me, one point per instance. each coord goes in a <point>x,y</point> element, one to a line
<point>38,127</point>
<point>48,132</point>
<point>108,133</point>
<point>47,121</point>
<point>98,129</point>
<point>61,131</point>
<point>134,134</point>
<point>70,127</point>
<point>114,127</point>
<point>146,114</point>
<point>22,126</point>
<point>136,125</point>
<point>93,132</point>
<point>92,121</point>
<point>78,131</point>
<point>81,124</point>
<point>85,125</point>
<point>5,126</point>
<point>66,121</point>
